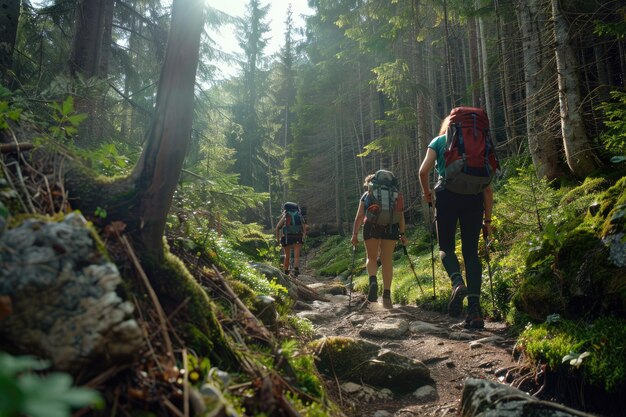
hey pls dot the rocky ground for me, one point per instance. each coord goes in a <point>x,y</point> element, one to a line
<point>451,353</point>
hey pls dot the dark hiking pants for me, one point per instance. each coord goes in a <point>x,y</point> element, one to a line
<point>467,210</point>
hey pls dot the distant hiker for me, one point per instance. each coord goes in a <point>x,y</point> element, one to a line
<point>464,157</point>
<point>290,233</point>
<point>381,212</point>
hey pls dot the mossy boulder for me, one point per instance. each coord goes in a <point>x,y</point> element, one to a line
<point>578,270</point>
<point>540,294</point>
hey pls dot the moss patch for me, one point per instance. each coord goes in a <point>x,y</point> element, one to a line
<point>604,364</point>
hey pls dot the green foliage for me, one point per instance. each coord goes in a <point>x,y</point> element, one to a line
<point>615,121</point>
<point>8,112</point>
<point>302,326</point>
<point>106,159</point>
<point>596,349</point>
<point>67,121</point>
<point>226,257</point>
<point>335,257</point>
<point>206,202</point>
<point>24,392</point>
<point>524,206</point>
<point>308,408</point>
<point>617,29</point>
<point>304,366</point>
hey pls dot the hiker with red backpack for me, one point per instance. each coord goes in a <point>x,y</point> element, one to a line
<point>465,160</point>
<point>290,234</point>
<point>381,213</point>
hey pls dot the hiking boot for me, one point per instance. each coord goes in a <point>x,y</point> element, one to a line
<point>474,319</point>
<point>455,305</point>
<point>387,299</point>
<point>372,294</point>
<point>296,272</point>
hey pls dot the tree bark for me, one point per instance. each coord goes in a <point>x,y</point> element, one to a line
<point>473,58</point>
<point>543,150</point>
<point>578,152</point>
<point>156,174</point>
<point>9,17</point>
<point>89,35</point>
<point>505,78</point>
<point>485,76</point>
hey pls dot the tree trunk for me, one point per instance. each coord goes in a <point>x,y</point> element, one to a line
<point>473,51</point>
<point>450,92</point>
<point>485,75</point>
<point>543,150</point>
<point>156,173</point>
<point>89,35</point>
<point>578,152</point>
<point>504,78</point>
<point>89,58</point>
<point>8,30</point>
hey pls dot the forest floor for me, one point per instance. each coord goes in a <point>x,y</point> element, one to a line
<point>450,352</point>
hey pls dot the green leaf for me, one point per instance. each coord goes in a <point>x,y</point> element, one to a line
<point>76,119</point>
<point>618,159</point>
<point>68,106</point>
<point>11,365</point>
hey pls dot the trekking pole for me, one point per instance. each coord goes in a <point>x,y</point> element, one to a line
<point>432,246</point>
<point>487,243</point>
<point>413,269</point>
<point>351,275</point>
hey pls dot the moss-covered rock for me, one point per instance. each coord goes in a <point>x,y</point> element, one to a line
<point>540,294</point>
<point>578,268</point>
<point>365,362</point>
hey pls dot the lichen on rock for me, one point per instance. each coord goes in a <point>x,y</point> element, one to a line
<point>64,296</point>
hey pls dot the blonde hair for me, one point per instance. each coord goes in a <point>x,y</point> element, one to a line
<point>444,125</point>
<point>368,179</point>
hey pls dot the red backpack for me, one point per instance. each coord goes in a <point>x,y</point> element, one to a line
<point>471,160</point>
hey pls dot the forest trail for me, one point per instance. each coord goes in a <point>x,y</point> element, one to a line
<point>450,352</point>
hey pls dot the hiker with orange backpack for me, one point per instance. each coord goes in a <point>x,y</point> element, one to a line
<point>465,160</point>
<point>290,233</point>
<point>381,213</point>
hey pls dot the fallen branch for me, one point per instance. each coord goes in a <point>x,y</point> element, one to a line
<point>14,147</point>
<point>305,293</point>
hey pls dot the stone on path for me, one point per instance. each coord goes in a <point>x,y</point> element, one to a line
<point>390,328</point>
<point>359,360</point>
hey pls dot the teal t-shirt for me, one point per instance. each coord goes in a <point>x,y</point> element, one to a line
<point>439,146</point>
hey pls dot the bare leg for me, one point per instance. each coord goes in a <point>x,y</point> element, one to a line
<point>387,246</point>
<point>296,254</point>
<point>372,248</point>
<point>287,249</point>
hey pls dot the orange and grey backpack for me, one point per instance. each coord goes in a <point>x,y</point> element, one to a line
<point>471,161</point>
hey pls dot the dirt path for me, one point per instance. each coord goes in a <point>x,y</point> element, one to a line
<point>450,352</point>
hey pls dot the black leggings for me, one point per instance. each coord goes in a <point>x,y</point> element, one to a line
<point>468,211</point>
